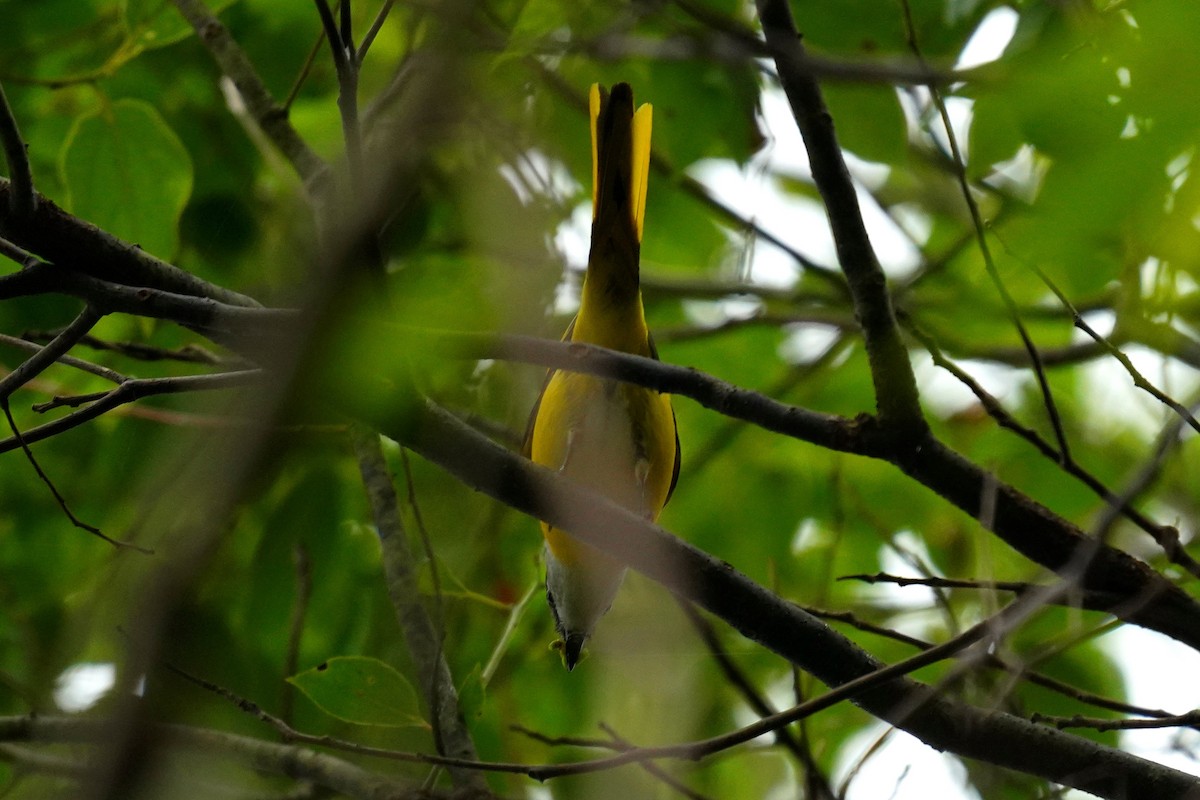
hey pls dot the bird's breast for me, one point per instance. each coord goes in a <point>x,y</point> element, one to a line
<point>614,438</point>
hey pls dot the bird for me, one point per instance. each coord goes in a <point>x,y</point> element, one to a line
<point>614,438</point>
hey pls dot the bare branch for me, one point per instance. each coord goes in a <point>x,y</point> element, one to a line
<point>70,361</point>
<point>896,395</point>
<point>764,618</point>
<point>235,326</point>
<point>376,25</point>
<point>23,199</point>
<point>128,392</point>
<point>236,65</point>
<point>69,242</point>
<point>423,639</point>
<point>47,355</point>
<point>1188,720</point>
<point>62,503</point>
<point>1166,536</point>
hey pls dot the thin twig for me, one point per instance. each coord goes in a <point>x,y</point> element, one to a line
<point>39,361</point>
<point>1188,720</point>
<point>959,168</point>
<point>71,361</point>
<point>1139,380</point>
<point>654,769</point>
<point>992,660</point>
<point>510,626</point>
<point>862,760</point>
<point>188,354</point>
<point>128,392</point>
<point>303,572</point>
<point>376,25</point>
<point>62,502</point>
<point>1168,439</point>
<point>1166,536</point>
<point>943,583</point>
<point>305,69</point>
<point>738,679</point>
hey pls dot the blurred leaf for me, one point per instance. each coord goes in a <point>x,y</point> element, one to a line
<point>873,126</point>
<point>158,23</point>
<point>126,171</point>
<point>365,691</point>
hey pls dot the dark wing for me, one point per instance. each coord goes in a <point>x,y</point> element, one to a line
<point>675,471</point>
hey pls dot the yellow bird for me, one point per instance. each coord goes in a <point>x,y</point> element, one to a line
<point>614,438</point>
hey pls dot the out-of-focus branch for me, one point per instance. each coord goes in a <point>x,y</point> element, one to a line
<point>128,392</point>
<point>236,65</point>
<point>422,637</point>
<point>304,763</point>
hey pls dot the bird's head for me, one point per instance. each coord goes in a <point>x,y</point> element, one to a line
<point>579,594</point>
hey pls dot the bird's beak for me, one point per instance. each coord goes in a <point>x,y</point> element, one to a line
<point>573,649</point>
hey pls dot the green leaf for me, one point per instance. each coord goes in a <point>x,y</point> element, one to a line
<point>869,120</point>
<point>127,172</point>
<point>157,23</point>
<point>364,691</point>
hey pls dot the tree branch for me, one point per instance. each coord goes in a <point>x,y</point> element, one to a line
<point>23,199</point>
<point>423,639</point>
<point>35,364</point>
<point>128,392</point>
<point>235,64</point>
<point>240,327</point>
<point>1137,593</point>
<point>281,759</point>
<point>896,395</point>
<point>761,616</point>
<point>70,242</point>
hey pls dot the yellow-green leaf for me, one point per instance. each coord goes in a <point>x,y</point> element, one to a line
<point>364,691</point>
<point>126,171</point>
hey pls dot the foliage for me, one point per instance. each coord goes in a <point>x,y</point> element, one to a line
<point>1078,139</point>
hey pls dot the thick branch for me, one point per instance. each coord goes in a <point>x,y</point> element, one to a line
<point>761,616</point>
<point>222,322</point>
<point>23,198</point>
<point>68,241</point>
<point>1135,592</point>
<point>895,386</point>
